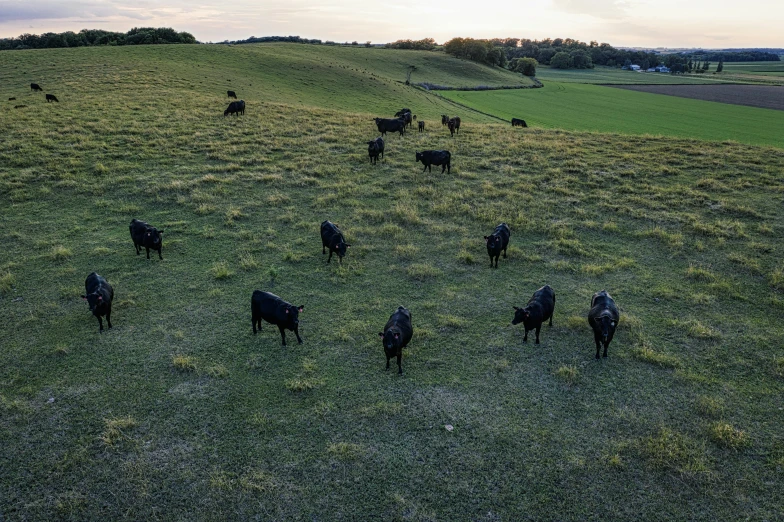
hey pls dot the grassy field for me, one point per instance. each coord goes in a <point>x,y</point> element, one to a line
<point>616,76</point>
<point>179,412</point>
<point>755,68</point>
<point>603,109</point>
<point>355,79</point>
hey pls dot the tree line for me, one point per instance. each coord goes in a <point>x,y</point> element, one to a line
<point>91,37</point>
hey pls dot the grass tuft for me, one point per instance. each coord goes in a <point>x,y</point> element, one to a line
<point>7,282</point>
<point>710,407</point>
<point>650,356</point>
<point>221,270</point>
<point>184,363</point>
<point>345,450</point>
<point>60,253</point>
<point>423,271</point>
<point>726,436</point>
<point>114,430</point>
<point>568,374</point>
<point>669,449</point>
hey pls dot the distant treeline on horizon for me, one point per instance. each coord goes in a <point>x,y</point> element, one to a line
<point>91,37</point>
<point>496,51</point>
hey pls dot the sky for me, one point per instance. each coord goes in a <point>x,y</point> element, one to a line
<point>624,23</point>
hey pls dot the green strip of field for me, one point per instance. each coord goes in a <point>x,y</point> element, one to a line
<point>616,76</point>
<point>604,109</point>
<point>762,68</point>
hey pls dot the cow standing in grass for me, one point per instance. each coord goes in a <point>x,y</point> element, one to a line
<point>375,147</point>
<point>145,236</point>
<point>35,87</point>
<point>444,119</point>
<point>332,238</point>
<point>235,107</point>
<point>516,122</point>
<point>99,295</point>
<point>390,125</point>
<point>274,310</point>
<point>396,335</point>
<point>231,94</point>
<point>454,126</point>
<point>539,308</point>
<point>52,98</point>
<point>603,319</point>
<point>435,157</point>
<point>421,126</point>
<point>496,242</point>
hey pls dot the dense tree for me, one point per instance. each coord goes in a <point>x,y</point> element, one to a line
<point>426,44</point>
<point>87,37</point>
<point>720,67</point>
<point>561,60</point>
<point>579,59</point>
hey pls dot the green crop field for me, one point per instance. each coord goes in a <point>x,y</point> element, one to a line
<point>616,76</point>
<point>604,109</point>
<point>180,413</point>
<point>755,68</point>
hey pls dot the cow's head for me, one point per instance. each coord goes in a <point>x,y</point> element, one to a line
<point>521,315</point>
<point>493,241</point>
<point>418,156</point>
<point>152,236</point>
<point>607,325</point>
<point>340,246</point>
<point>94,300</point>
<point>292,315</point>
<point>391,339</point>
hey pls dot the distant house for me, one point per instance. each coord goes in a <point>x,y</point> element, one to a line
<point>634,67</point>
<point>652,69</point>
<point>663,68</point>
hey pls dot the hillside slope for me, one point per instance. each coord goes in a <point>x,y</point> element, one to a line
<point>353,79</point>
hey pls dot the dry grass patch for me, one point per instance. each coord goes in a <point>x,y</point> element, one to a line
<point>423,271</point>
<point>184,363</point>
<point>345,450</point>
<point>647,354</point>
<point>700,274</point>
<point>221,270</point>
<point>568,373</point>
<point>727,436</point>
<point>60,253</point>
<point>114,430</point>
<point>669,449</point>
<point>7,282</point>
<point>710,407</point>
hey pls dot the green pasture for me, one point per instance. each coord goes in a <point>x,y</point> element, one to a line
<point>180,413</point>
<point>597,108</point>
<point>755,68</point>
<point>614,75</point>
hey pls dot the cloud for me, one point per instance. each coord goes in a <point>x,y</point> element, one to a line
<point>608,9</point>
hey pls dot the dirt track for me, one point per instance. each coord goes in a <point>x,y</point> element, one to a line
<point>765,96</point>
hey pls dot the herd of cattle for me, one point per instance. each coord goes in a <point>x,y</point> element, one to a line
<point>397,333</point>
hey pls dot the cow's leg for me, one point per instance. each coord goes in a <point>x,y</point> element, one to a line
<point>443,168</point>
<point>448,168</point>
<point>148,252</point>
<point>400,363</point>
<point>160,255</point>
<point>491,260</point>
<point>424,169</point>
<point>504,252</point>
<point>296,332</point>
<point>606,345</point>
<point>525,337</point>
<point>537,333</point>
<point>100,324</point>
<point>138,250</point>
<point>253,322</point>
<point>109,315</point>
<point>598,344</point>
<point>388,362</point>
<point>330,256</point>
<point>282,334</point>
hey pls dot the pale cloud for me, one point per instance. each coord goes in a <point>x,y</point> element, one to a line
<point>607,9</point>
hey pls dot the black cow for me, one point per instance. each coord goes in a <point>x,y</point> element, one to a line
<point>407,119</point>
<point>539,308</point>
<point>274,310</point>
<point>12,98</point>
<point>516,122</point>
<point>396,335</point>
<point>52,98</point>
<point>35,87</point>
<point>444,119</point>
<point>145,236</point>
<point>390,125</point>
<point>231,94</point>
<point>332,238</point>
<point>454,126</point>
<point>435,157</point>
<point>99,294</point>
<point>375,147</point>
<point>235,107</point>
<point>603,318</point>
<point>421,125</point>
<point>402,111</point>
<point>496,242</point>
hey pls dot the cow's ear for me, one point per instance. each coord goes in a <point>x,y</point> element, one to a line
<point>486,238</point>
<point>515,307</point>
<point>381,334</point>
<point>84,297</point>
<point>100,298</point>
<point>397,336</point>
<point>612,323</point>
<point>301,307</point>
<point>160,231</point>
<point>287,310</point>
<point>348,246</point>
